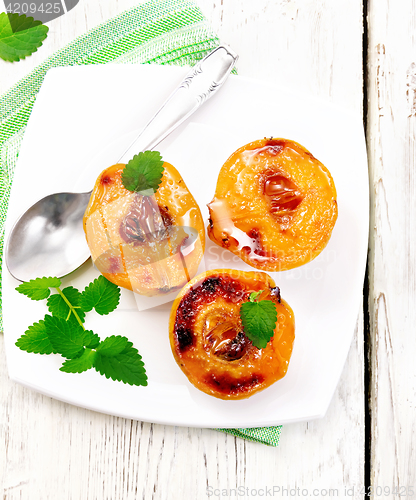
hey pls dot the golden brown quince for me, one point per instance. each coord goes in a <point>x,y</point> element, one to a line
<point>208,340</point>
<point>149,244</point>
<point>275,205</point>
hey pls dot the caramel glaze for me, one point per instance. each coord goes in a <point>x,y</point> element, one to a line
<point>208,340</point>
<point>282,192</point>
<point>274,206</point>
<point>200,296</point>
<point>145,222</point>
<point>229,385</point>
<point>137,241</point>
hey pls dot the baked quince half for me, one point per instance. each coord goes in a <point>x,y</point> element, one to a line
<point>209,342</point>
<point>275,205</point>
<point>151,244</point>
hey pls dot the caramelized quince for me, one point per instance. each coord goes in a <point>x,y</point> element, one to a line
<point>208,341</point>
<point>149,244</point>
<point>274,206</point>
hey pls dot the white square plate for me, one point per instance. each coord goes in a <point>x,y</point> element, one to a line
<point>81,122</point>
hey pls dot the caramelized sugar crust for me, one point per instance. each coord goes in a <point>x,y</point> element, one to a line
<point>139,242</point>
<point>208,341</point>
<point>274,206</point>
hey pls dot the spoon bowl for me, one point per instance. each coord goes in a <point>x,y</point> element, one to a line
<point>49,239</point>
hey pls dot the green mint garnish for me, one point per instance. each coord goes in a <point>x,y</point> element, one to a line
<point>66,339</point>
<point>63,332</point>
<point>20,36</point>
<point>255,295</point>
<point>259,319</point>
<point>101,295</point>
<point>35,339</point>
<point>39,288</point>
<point>111,346</point>
<point>63,304</point>
<point>81,364</point>
<point>126,366</point>
<point>143,173</point>
<point>91,339</point>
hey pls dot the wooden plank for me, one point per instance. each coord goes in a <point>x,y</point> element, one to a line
<point>54,450</point>
<point>391,147</point>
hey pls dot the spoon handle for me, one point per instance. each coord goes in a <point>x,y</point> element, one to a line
<point>202,82</point>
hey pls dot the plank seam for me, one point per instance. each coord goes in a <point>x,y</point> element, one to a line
<point>366,290</point>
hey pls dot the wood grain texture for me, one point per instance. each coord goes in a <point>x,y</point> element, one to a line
<point>391,146</point>
<point>53,450</point>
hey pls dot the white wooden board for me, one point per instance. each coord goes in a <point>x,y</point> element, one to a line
<point>52,450</point>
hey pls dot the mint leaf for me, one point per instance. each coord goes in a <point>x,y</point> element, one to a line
<point>38,289</point>
<point>59,308</point>
<point>20,36</point>
<point>255,295</point>
<point>81,364</point>
<point>35,339</point>
<point>126,367</point>
<point>143,172</point>
<point>101,295</point>
<point>111,346</point>
<point>90,339</point>
<point>259,321</point>
<point>63,333</point>
<point>66,339</point>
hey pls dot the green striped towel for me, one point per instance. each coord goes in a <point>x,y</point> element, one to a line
<point>159,31</point>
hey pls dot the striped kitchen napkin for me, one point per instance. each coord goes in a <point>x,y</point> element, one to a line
<point>159,31</point>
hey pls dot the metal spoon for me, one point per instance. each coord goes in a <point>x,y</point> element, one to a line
<point>48,239</point>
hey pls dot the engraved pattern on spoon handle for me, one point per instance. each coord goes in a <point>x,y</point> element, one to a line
<point>202,82</point>
<point>202,96</point>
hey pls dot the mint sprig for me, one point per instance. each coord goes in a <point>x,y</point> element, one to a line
<point>81,364</point>
<point>39,288</point>
<point>65,339</point>
<point>101,295</point>
<point>126,366</point>
<point>36,339</point>
<point>259,319</point>
<point>113,345</point>
<point>63,304</point>
<point>20,36</point>
<point>63,332</point>
<point>143,173</point>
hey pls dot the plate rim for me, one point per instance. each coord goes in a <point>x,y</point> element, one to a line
<point>319,414</point>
